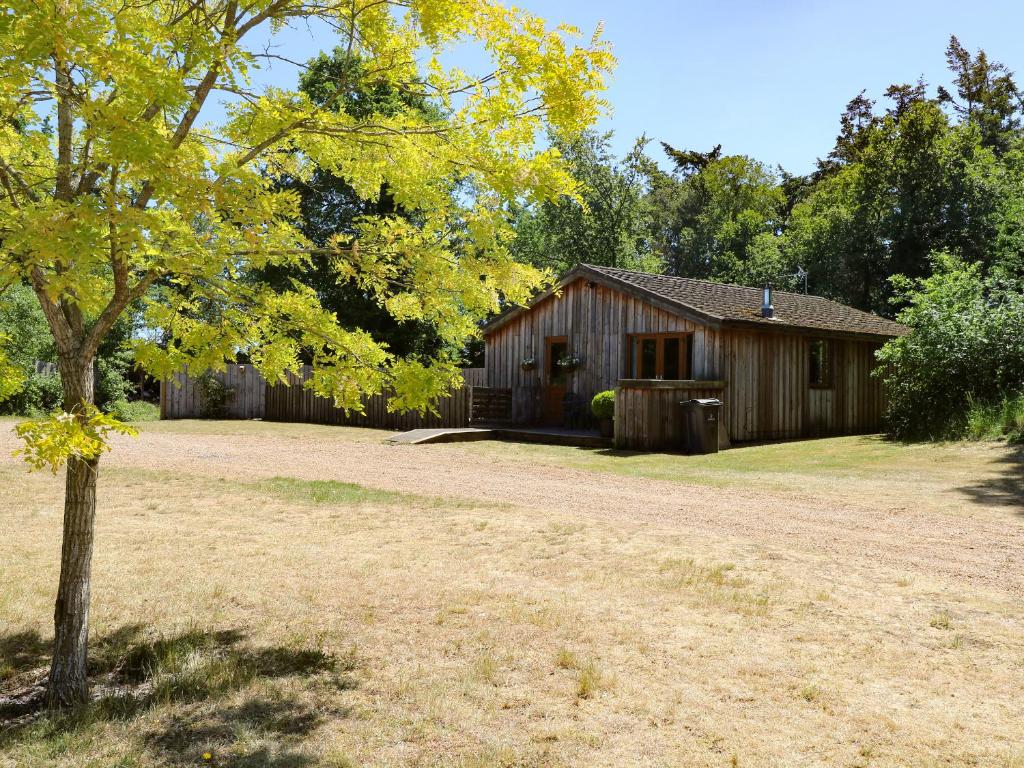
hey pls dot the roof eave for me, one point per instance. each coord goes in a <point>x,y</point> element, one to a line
<point>807,330</point>
<point>584,271</point>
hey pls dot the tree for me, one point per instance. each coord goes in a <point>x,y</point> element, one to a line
<point>114,193</point>
<point>965,347</point>
<point>329,207</point>
<point>718,218</point>
<point>690,161</point>
<point>988,95</point>
<point>855,125</point>
<point>915,185</point>
<point>605,224</point>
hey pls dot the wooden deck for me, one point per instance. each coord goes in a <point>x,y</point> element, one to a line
<point>546,435</point>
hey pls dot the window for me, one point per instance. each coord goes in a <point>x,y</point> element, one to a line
<point>821,366</point>
<point>660,356</point>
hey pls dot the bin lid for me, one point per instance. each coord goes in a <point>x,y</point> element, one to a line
<point>702,402</point>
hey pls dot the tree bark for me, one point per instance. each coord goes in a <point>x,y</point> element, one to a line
<point>68,682</point>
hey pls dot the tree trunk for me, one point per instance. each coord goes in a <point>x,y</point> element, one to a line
<point>68,684</point>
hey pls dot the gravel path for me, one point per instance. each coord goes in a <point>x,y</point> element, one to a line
<point>975,551</point>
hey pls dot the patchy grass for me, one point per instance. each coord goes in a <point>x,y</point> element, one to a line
<point>273,620</point>
<point>839,468</point>
<point>330,492</point>
<point>136,411</point>
<point>589,680</point>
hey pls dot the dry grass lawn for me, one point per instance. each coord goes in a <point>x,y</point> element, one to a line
<point>294,595</point>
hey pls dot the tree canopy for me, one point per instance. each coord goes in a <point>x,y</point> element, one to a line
<point>606,223</point>
<point>917,172</point>
<point>117,192</point>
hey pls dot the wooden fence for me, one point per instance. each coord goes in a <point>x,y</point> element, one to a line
<point>648,415</point>
<point>293,402</point>
<point>254,398</point>
<point>474,377</point>
<point>182,397</point>
<point>491,404</point>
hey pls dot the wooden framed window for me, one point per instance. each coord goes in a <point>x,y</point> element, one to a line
<point>820,356</point>
<point>661,356</point>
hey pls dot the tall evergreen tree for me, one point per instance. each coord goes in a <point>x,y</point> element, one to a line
<point>330,207</point>
<point>987,95</point>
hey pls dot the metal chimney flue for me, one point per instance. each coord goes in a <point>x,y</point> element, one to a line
<point>767,308</point>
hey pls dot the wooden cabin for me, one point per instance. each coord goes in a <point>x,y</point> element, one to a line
<point>786,365</point>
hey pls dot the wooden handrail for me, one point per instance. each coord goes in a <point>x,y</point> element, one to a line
<point>671,384</point>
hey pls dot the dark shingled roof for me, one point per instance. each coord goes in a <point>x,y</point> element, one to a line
<point>720,301</point>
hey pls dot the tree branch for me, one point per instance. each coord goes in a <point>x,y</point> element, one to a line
<point>65,130</point>
<point>12,175</point>
<point>110,314</point>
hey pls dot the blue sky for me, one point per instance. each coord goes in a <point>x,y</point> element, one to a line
<point>763,78</point>
<point>769,79</point>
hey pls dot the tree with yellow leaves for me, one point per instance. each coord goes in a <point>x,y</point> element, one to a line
<point>116,194</point>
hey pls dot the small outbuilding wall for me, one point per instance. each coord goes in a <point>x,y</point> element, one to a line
<point>770,396</point>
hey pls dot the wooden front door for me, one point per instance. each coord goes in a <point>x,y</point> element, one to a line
<point>555,348</point>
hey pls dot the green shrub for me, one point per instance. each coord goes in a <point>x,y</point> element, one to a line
<point>995,421</point>
<point>40,395</point>
<point>960,370</point>
<point>29,339</point>
<point>135,410</point>
<point>215,396</point>
<point>603,404</point>
<point>112,385</point>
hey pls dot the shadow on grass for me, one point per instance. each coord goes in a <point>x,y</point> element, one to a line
<point>25,658</point>
<point>1005,487</point>
<point>274,727</point>
<point>195,676</point>
<point>21,652</point>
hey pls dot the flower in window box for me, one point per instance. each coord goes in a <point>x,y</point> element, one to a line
<point>568,362</point>
<point>528,364</point>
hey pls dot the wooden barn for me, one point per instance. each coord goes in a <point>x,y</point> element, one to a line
<point>786,365</point>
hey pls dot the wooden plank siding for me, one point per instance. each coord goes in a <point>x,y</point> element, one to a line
<point>294,403</point>
<point>766,373</point>
<point>770,396</point>
<point>596,321</point>
<point>254,398</point>
<point>648,415</point>
<point>181,397</point>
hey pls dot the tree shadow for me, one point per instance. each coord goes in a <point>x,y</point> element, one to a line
<point>277,725</point>
<point>1006,486</point>
<point>25,658</point>
<point>21,652</point>
<point>197,677</point>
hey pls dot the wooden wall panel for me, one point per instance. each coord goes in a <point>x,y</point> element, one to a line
<point>650,418</point>
<point>770,396</point>
<point>767,372</point>
<point>596,320</point>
